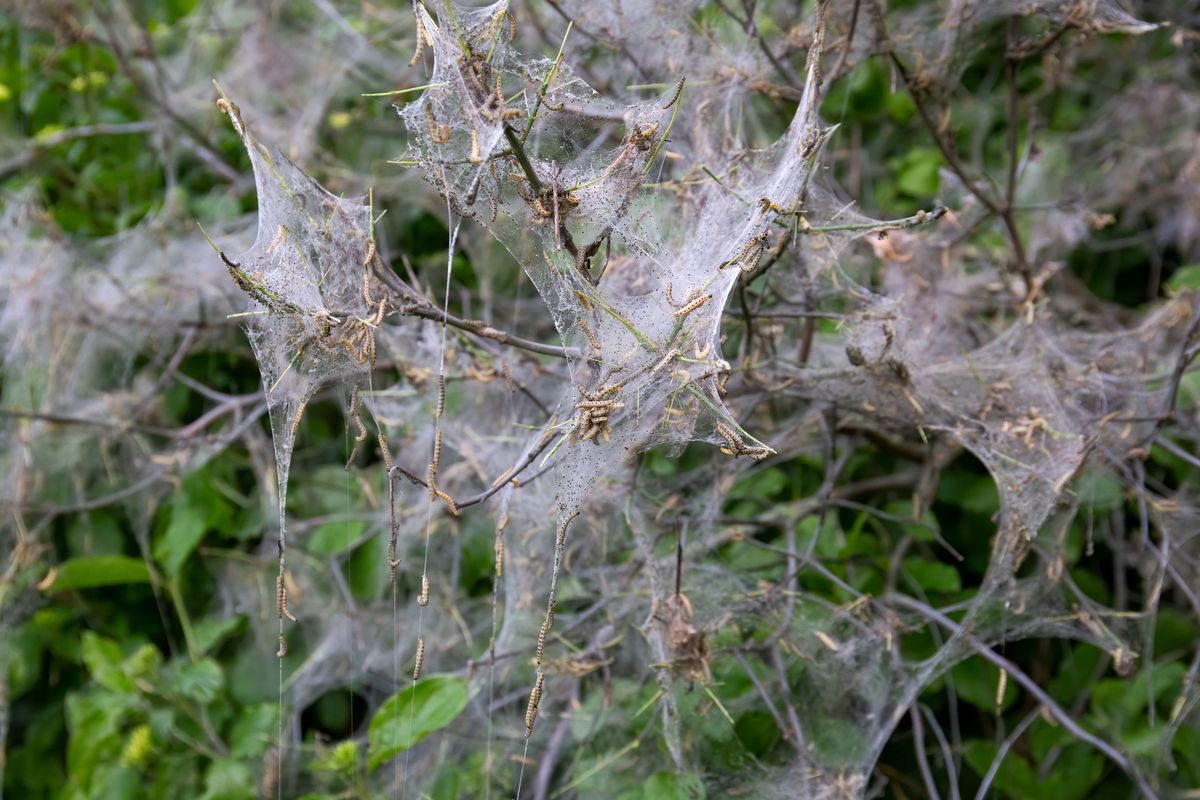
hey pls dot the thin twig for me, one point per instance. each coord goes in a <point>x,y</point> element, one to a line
<point>1019,675</point>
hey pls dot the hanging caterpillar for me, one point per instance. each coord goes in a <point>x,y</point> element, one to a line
<point>392,561</point>
<point>361,436</point>
<point>281,599</point>
<point>387,453</point>
<point>422,38</point>
<point>535,699</point>
<point>541,642</point>
<point>420,660</point>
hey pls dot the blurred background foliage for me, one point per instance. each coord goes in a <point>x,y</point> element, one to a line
<point>124,677</point>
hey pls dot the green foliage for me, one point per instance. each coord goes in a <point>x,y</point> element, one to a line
<point>410,715</point>
<point>90,572</point>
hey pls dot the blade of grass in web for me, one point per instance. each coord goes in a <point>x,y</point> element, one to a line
<point>394,92</point>
<point>677,102</point>
<point>537,103</point>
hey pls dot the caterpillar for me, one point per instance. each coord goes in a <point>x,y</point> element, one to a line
<point>692,306</point>
<point>591,337</point>
<point>420,661</point>
<point>392,561</point>
<point>281,599</point>
<point>561,539</point>
<point>362,429</point>
<point>280,236</point>
<point>475,157</point>
<point>602,404</point>
<point>448,500</point>
<point>422,36</point>
<point>535,699</point>
<point>423,597</point>
<point>387,454</point>
<point>757,244</point>
<point>296,420</point>
<point>662,363</point>
<point>735,442</point>
<point>678,91</point>
<point>541,642</point>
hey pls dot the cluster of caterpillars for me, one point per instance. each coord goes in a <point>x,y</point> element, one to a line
<point>593,420</point>
<point>359,338</point>
<point>735,446</point>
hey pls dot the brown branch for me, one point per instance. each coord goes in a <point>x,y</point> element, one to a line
<point>417,305</point>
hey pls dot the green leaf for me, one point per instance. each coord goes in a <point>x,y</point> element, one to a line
<point>95,534</point>
<point>200,681</point>
<point>670,786</point>
<point>89,573</point>
<point>1186,747</point>
<point>327,489</point>
<point>1099,490</point>
<point>343,758</point>
<point>117,782</point>
<point>103,659</point>
<point>933,576</point>
<point>412,714</point>
<point>757,732</point>
<point>924,530</point>
<point>1144,741</point>
<point>184,531</point>
<point>229,780</point>
<point>1074,774</point>
<point>837,742</point>
<point>976,682</point>
<point>94,720</point>
<point>143,663</point>
<point>1153,682</point>
<point>1184,279</point>
<point>209,633</point>
<point>334,537</point>
<point>366,580</point>
<point>254,731</point>
<point>974,493</point>
<point>1014,778</point>
<point>917,172</point>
